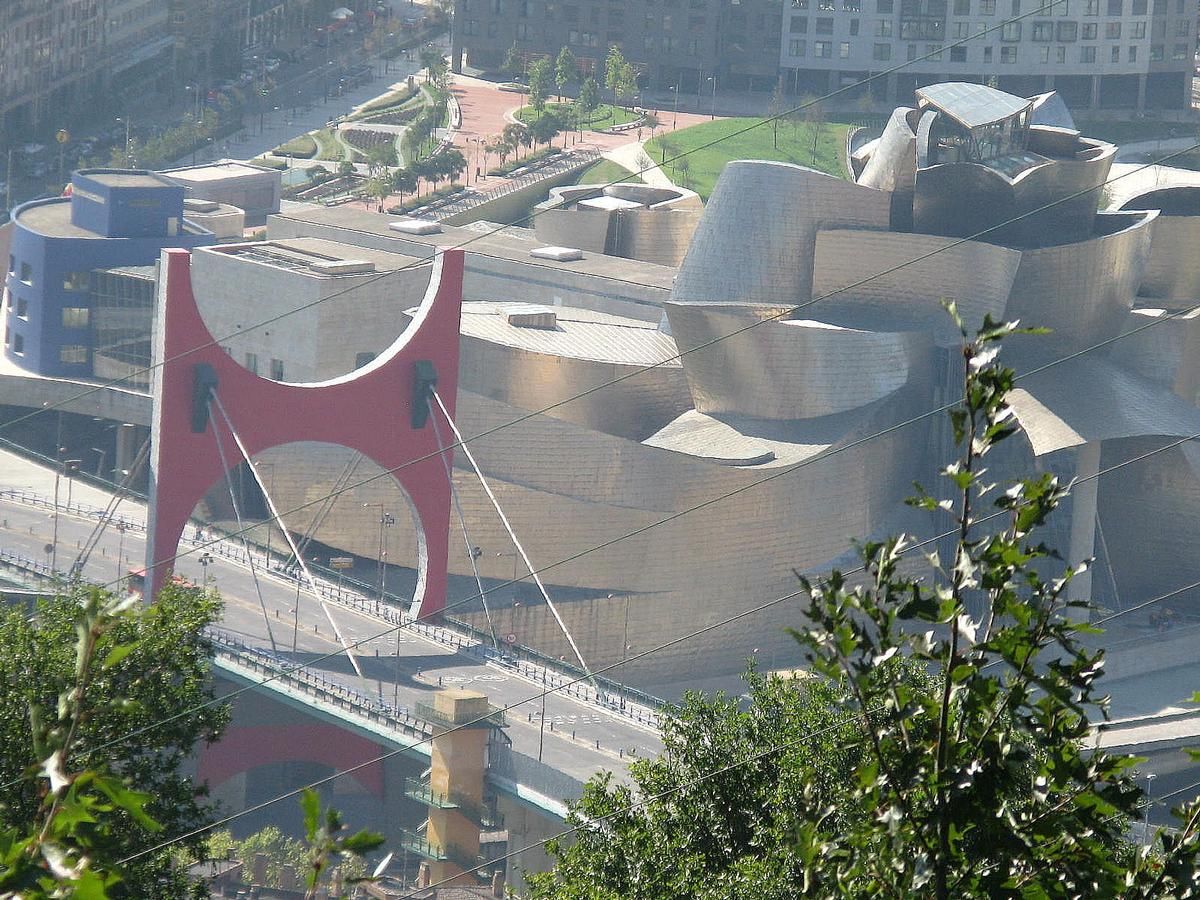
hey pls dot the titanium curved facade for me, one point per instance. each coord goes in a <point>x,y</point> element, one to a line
<point>788,369</point>
<point>1173,271</point>
<point>755,242</point>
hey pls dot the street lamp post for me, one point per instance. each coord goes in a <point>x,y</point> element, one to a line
<point>121,527</point>
<point>270,521</point>
<point>712,110</point>
<point>675,113</point>
<point>205,559</point>
<point>1150,776</point>
<point>386,520</point>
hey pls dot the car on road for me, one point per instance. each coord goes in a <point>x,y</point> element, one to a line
<point>271,64</point>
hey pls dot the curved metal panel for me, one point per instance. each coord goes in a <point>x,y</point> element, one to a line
<point>905,290</point>
<point>755,241</point>
<point>893,162</point>
<point>1083,291</point>
<point>789,369</point>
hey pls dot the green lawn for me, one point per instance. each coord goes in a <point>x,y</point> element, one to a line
<point>604,172</point>
<point>737,140</point>
<point>604,116</point>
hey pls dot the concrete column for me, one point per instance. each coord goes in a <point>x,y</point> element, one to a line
<point>1095,92</point>
<point>1083,517</point>
<point>1141,97</point>
<point>127,447</point>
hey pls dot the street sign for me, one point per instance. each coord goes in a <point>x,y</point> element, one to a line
<point>511,638</point>
<point>62,136</point>
<point>341,562</point>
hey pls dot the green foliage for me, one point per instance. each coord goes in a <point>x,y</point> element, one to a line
<point>327,846</point>
<point>943,799</point>
<point>619,76</point>
<point>302,147</point>
<point>589,95</point>
<point>540,76</point>
<point>512,66</point>
<point>932,752</point>
<point>84,669</point>
<point>565,70</point>
<point>544,130</point>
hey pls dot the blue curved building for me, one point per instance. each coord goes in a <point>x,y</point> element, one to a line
<point>113,217</point>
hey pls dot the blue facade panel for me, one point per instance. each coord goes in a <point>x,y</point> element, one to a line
<point>48,315</point>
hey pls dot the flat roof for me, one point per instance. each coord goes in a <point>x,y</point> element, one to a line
<point>127,179</point>
<point>578,334</point>
<point>145,273</point>
<point>972,105</point>
<point>299,254</point>
<point>53,219</point>
<point>512,244</point>
<point>217,171</point>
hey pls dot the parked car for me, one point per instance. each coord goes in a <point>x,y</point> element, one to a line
<point>271,64</point>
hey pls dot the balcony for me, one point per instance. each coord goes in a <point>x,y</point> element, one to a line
<point>416,843</point>
<point>480,815</point>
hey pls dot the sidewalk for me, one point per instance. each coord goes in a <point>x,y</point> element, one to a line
<point>634,158</point>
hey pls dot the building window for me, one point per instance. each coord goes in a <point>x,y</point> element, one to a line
<point>852,5</point>
<point>962,7</point>
<point>1087,54</point>
<point>1090,31</point>
<point>1137,29</point>
<point>1133,54</point>
<point>1116,7</point>
<point>933,51</point>
<point>884,7</point>
<point>853,27</point>
<point>844,50</point>
<point>1112,30</point>
<point>1008,54</point>
<point>18,342</point>
<point>75,317</point>
<point>962,29</point>
<point>796,47</point>
<point>1139,7</point>
<point>252,363</point>
<point>1043,32</point>
<point>1068,31</point>
<point>883,28</point>
<point>77,281</point>
<point>958,54</point>
<point>1016,7</point>
<point>1183,28</point>
<point>823,49</point>
<point>1091,7</point>
<point>987,7</point>
<point>798,25</point>
<point>22,308</point>
<point>824,26</point>
<point>1044,54</point>
<point>26,273</point>
<point>1180,51</point>
<point>1060,55</point>
<point>73,354</point>
<point>882,52</point>
<point>277,370</point>
<point>1010,31</point>
<point>987,54</point>
<point>1156,53</point>
<point>1062,8</point>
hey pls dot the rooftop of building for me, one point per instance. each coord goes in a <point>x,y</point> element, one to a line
<point>125,178</point>
<point>570,332</point>
<point>971,105</point>
<point>52,218</point>
<point>143,273</point>
<point>508,243</point>
<point>216,171</point>
<point>314,257</point>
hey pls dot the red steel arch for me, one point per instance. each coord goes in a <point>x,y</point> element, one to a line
<point>368,410</point>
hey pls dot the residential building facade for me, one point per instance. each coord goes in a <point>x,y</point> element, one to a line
<point>671,43</point>
<point>1095,53</point>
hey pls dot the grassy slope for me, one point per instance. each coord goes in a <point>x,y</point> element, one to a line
<point>795,146</point>
<point>604,172</point>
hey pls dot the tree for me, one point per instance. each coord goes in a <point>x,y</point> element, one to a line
<point>513,65</point>
<point>515,135</point>
<point>615,71</point>
<point>565,70</point>
<point>433,63</point>
<point>453,163</point>
<point>345,168</point>
<point>589,99</point>
<point>84,670</point>
<point>539,84</point>
<point>684,167</point>
<point>948,751</point>
<point>814,114</point>
<point>404,182</point>
<point>545,129</point>
<point>775,111</point>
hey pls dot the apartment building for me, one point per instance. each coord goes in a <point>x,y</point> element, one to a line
<point>684,43</point>
<point>1096,53</point>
